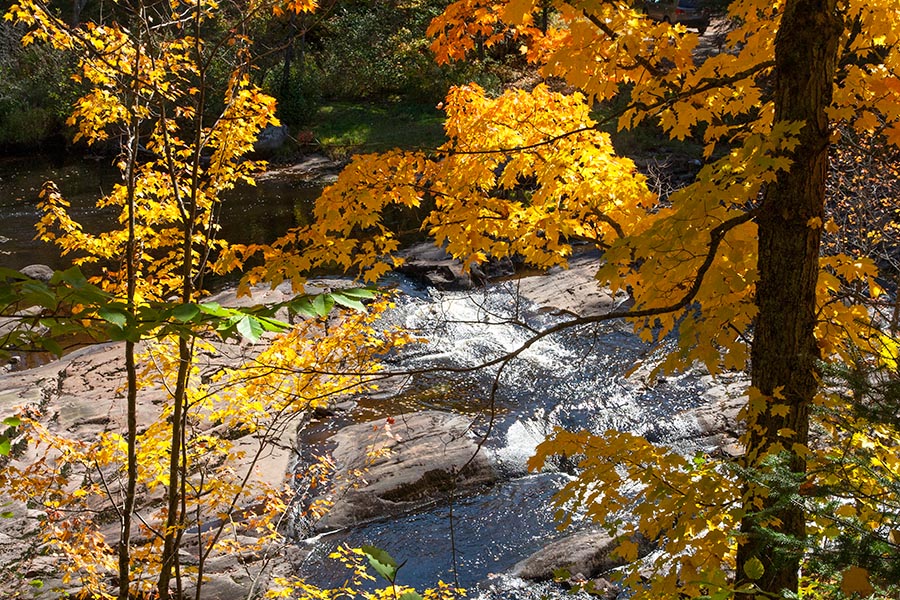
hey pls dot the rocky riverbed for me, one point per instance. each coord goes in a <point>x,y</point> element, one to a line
<point>434,453</point>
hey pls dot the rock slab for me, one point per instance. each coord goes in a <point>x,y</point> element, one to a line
<point>384,469</point>
<point>588,553</point>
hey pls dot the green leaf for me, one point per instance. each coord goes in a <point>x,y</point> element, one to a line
<point>185,312</point>
<point>303,306</point>
<point>4,445</point>
<point>115,317</point>
<point>382,562</point>
<point>7,273</point>
<point>352,303</point>
<point>150,315</point>
<point>36,583</point>
<point>362,293</point>
<point>52,346</point>
<point>37,293</point>
<point>225,325</point>
<point>7,514</point>
<point>322,304</point>
<point>250,328</point>
<point>214,309</point>
<point>117,334</point>
<point>270,324</point>
<point>73,276</point>
<point>754,568</point>
<point>12,421</point>
<point>380,555</point>
<point>86,294</point>
<point>7,295</point>
<point>410,595</point>
<point>724,593</point>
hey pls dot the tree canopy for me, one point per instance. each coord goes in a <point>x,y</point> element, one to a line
<point>731,265</point>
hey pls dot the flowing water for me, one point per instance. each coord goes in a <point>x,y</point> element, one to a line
<point>573,380</point>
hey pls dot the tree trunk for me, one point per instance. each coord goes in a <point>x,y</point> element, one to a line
<point>784,350</point>
<point>287,78</point>
<point>129,500</point>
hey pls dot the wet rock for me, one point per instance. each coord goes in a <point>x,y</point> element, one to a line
<point>714,426</point>
<point>385,469</point>
<point>39,272</point>
<point>222,587</point>
<point>311,169</point>
<point>602,588</point>
<point>573,290</point>
<point>588,553</point>
<point>432,266</point>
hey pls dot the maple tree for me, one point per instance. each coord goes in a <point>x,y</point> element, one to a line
<point>180,477</point>
<point>729,264</point>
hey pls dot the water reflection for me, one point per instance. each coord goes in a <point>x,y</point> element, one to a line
<point>21,180</point>
<point>249,214</point>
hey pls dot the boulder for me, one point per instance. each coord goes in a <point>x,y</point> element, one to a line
<point>432,266</point>
<point>586,553</point>
<point>311,169</point>
<point>39,272</point>
<point>271,139</point>
<point>714,426</point>
<point>573,290</point>
<point>388,468</point>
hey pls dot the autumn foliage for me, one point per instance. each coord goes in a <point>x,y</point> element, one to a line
<point>123,508</point>
<point>530,173</point>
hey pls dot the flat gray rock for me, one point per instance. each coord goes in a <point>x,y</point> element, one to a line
<point>385,469</point>
<point>586,553</point>
<point>714,426</point>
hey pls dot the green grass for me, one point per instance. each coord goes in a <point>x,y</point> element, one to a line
<point>343,128</point>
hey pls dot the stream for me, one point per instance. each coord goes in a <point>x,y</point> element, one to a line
<point>574,380</point>
<point>252,214</point>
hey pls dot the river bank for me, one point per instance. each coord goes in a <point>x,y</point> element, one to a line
<point>81,396</point>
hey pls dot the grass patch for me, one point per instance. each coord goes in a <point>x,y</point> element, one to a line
<point>343,128</point>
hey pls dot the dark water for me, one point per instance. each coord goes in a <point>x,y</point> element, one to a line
<point>21,179</point>
<point>489,534</point>
<point>249,214</point>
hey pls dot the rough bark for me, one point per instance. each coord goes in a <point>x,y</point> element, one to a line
<point>784,351</point>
